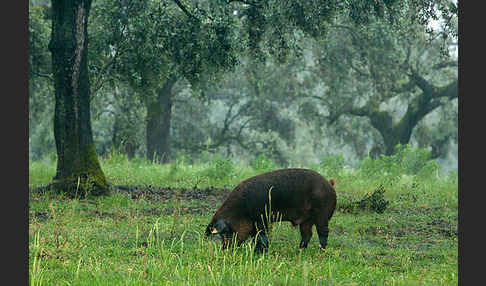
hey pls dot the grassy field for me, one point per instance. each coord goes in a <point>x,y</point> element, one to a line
<point>158,238</point>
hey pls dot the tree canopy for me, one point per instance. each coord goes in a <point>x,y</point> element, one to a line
<point>258,77</point>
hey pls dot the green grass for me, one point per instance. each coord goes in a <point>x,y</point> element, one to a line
<point>118,240</point>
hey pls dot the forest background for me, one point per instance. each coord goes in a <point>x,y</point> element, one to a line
<point>250,81</point>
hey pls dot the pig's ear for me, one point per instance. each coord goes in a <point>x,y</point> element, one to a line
<point>332,181</point>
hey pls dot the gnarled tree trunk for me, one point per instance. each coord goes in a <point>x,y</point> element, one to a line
<point>401,131</point>
<point>78,168</point>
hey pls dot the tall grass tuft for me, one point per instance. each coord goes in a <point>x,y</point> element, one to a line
<point>36,272</point>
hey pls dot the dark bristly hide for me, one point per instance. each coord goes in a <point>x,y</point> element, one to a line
<point>300,196</point>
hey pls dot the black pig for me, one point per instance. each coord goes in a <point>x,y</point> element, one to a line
<point>300,196</point>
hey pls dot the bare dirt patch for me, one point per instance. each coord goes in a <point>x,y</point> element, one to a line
<point>41,216</point>
<point>169,193</point>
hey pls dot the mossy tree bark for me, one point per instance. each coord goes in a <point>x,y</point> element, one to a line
<point>78,168</point>
<point>159,113</point>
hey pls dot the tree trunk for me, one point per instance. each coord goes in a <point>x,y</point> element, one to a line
<point>393,134</point>
<point>125,129</point>
<point>78,169</point>
<point>159,114</point>
<point>123,140</point>
<point>391,140</point>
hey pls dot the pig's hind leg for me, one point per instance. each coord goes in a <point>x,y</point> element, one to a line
<point>322,222</point>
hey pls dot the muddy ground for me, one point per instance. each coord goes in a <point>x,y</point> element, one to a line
<point>207,199</point>
<point>159,193</point>
<point>195,201</point>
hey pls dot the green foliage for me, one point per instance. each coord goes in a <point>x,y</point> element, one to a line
<point>262,163</point>
<point>332,165</point>
<point>223,171</point>
<point>116,157</point>
<point>220,168</point>
<point>452,177</point>
<point>41,137</point>
<point>411,160</point>
<point>405,161</point>
<point>370,167</point>
<point>177,165</point>
<point>147,41</point>
<point>134,46</point>
<point>39,36</point>
<point>366,70</point>
<point>41,101</point>
<point>174,168</point>
<point>429,170</point>
<point>42,171</point>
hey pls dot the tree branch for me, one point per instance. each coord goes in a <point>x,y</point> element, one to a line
<point>450,91</point>
<point>184,9</point>
<point>320,98</point>
<point>102,79</point>
<point>358,70</point>
<point>362,111</point>
<point>427,88</point>
<point>44,75</point>
<point>246,2</point>
<point>445,65</point>
<point>404,87</point>
<point>226,122</point>
<point>430,91</point>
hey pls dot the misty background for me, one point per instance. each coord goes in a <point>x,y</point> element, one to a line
<point>346,93</point>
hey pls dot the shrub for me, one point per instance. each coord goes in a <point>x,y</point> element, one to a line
<point>332,165</point>
<point>176,166</point>
<point>411,160</point>
<point>405,161</point>
<point>375,202</point>
<point>430,170</point>
<point>263,164</point>
<point>453,177</point>
<point>220,168</point>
